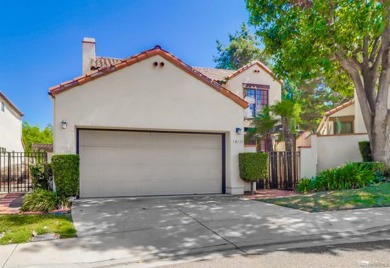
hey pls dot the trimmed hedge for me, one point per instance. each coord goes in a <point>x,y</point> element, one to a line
<point>66,171</point>
<point>253,166</point>
<point>365,151</point>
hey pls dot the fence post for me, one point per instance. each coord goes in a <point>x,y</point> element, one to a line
<point>9,172</point>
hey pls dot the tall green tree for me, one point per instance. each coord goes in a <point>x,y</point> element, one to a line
<point>264,124</point>
<point>33,134</point>
<point>343,40</point>
<point>242,49</point>
<point>289,112</point>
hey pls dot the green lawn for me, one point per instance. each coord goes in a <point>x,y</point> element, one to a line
<point>373,196</point>
<point>19,228</point>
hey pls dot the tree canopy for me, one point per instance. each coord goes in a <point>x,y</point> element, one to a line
<point>243,48</point>
<point>33,134</point>
<point>345,41</point>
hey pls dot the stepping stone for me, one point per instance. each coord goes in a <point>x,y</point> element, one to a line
<point>45,237</point>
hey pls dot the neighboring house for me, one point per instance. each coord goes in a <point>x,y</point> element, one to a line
<point>10,126</point>
<point>335,141</point>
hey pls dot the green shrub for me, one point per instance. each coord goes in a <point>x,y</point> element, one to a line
<point>66,173</point>
<point>305,185</point>
<point>350,176</point>
<point>253,166</point>
<point>41,175</point>
<point>365,151</point>
<point>377,167</point>
<point>40,200</point>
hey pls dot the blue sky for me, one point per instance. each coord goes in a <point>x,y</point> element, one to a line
<point>40,41</point>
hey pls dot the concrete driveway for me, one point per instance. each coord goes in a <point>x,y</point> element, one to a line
<point>133,231</point>
<point>193,224</point>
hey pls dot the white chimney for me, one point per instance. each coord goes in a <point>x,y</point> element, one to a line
<point>89,53</point>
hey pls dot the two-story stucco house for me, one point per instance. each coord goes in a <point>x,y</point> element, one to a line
<point>335,141</point>
<point>10,126</point>
<point>153,125</point>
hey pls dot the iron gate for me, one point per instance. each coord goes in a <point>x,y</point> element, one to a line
<point>283,171</point>
<point>15,170</point>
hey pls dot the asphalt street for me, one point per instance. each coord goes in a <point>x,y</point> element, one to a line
<point>371,254</point>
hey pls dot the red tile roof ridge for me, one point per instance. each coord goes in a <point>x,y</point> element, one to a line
<point>260,64</point>
<point>157,50</point>
<point>340,107</point>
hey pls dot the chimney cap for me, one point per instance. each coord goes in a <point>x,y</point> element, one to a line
<point>89,40</point>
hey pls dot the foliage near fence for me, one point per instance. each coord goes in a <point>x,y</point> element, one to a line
<point>66,173</point>
<point>41,175</point>
<point>350,176</point>
<point>40,200</point>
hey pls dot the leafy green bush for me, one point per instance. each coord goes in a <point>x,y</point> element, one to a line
<point>253,166</point>
<point>377,167</point>
<point>40,200</point>
<point>41,175</point>
<point>66,173</point>
<point>350,176</point>
<point>365,151</point>
<point>305,185</point>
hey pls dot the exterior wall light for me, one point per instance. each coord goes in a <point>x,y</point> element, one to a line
<point>64,124</point>
<point>238,131</point>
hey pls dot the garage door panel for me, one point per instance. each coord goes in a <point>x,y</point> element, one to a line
<point>119,163</point>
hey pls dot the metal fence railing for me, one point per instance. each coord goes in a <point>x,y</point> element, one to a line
<point>15,170</point>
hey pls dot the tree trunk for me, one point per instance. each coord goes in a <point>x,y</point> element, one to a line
<point>268,143</point>
<point>371,79</point>
<point>288,137</point>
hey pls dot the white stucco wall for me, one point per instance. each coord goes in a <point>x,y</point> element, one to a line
<point>262,77</point>
<point>308,159</point>
<point>337,150</point>
<point>329,152</point>
<point>142,96</point>
<point>10,129</point>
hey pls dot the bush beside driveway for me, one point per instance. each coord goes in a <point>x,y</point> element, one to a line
<point>368,197</point>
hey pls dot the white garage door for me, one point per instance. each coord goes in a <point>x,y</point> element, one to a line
<point>121,163</point>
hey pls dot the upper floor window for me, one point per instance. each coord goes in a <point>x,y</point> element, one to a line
<point>343,127</point>
<point>257,98</point>
<point>2,107</point>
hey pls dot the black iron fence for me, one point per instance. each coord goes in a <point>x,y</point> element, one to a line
<point>15,170</point>
<point>284,171</point>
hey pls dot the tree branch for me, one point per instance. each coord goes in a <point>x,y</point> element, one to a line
<point>353,72</point>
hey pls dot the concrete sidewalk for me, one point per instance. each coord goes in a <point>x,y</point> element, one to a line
<point>133,231</point>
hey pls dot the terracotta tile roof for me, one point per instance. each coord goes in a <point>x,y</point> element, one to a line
<point>42,147</point>
<point>218,75</point>
<point>13,106</point>
<point>340,107</point>
<point>140,57</point>
<point>101,62</point>
<point>258,63</point>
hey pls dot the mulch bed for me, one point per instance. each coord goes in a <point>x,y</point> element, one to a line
<point>269,194</point>
<point>11,203</point>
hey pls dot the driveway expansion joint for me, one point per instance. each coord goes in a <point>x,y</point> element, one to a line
<point>211,230</point>
<point>12,252</point>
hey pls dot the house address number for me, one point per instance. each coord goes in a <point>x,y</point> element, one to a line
<point>238,141</point>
